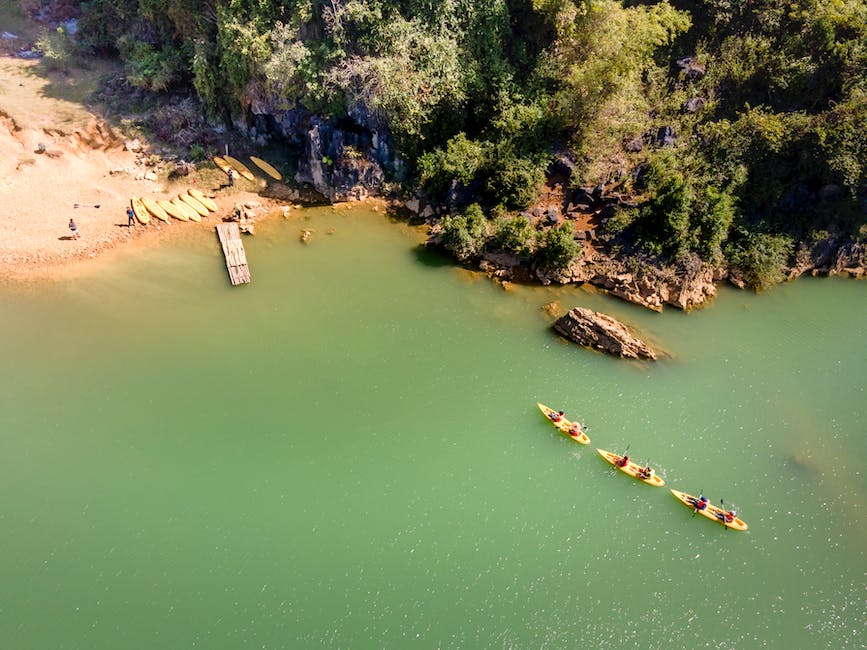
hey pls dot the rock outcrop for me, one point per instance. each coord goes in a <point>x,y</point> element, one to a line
<point>337,164</point>
<point>686,287</point>
<point>342,159</point>
<point>830,256</point>
<point>602,332</point>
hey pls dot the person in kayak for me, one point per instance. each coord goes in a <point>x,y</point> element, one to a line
<point>700,503</point>
<point>645,472</point>
<point>623,461</point>
<point>575,430</point>
<point>729,516</point>
<point>556,417</point>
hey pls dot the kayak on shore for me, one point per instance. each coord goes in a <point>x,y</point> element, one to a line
<point>566,427</point>
<point>711,511</point>
<point>635,471</point>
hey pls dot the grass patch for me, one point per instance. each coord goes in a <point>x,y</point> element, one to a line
<point>38,98</point>
<point>15,22</point>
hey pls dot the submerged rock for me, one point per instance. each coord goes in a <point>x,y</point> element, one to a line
<point>600,331</point>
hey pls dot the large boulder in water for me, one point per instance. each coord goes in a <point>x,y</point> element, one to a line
<point>600,331</point>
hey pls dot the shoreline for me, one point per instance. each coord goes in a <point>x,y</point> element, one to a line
<point>31,267</point>
<point>60,160</point>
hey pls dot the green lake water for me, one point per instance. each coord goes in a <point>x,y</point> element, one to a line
<point>347,454</point>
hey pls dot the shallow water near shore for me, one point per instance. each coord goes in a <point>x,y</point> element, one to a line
<point>347,454</point>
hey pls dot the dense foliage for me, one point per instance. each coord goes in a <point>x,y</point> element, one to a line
<point>756,141</point>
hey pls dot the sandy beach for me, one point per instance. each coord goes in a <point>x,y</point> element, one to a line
<point>59,160</point>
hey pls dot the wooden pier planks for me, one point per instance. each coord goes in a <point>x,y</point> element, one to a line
<point>233,251</point>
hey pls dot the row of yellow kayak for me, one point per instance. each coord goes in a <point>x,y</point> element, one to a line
<point>189,206</point>
<point>228,163</point>
<point>699,505</point>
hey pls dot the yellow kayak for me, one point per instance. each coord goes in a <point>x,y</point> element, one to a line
<point>202,198</point>
<point>222,164</point>
<point>191,214</point>
<point>194,204</point>
<point>266,167</point>
<point>240,167</point>
<point>712,512</point>
<point>155,210</point>
<point>631,468</point>
<point>571,429</point>
<point>173,211</point>
<point>140,211</point>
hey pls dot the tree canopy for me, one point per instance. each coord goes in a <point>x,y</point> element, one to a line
<point>763,104</point>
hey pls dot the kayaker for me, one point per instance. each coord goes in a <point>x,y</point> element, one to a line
<point>575,430</point>
<point>556,417</point>
<point>623,462</point>
<point>645,472</point>
<point>729,516</point>
<point>700,503</point>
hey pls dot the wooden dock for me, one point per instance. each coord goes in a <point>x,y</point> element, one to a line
<point>233,251</point>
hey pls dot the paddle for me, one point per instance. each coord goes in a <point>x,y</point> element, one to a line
<point>621,456</point>
<point>81,205</point>
<point>647,464</point>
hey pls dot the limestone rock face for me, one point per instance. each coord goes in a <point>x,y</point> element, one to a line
<point>851,259</point>
<point>600,331</point>
<point>335,164</point>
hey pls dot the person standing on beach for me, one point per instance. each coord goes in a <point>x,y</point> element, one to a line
<point>73,229</point>
<point>231,174</point>
<point>130,217</point>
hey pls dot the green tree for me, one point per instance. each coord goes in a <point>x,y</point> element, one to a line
<point>414,70</point>
<point>514,234</point>
<point>465,234</point>
<point>557,247</point>
<point>515,180</point>
<point>461,160</point>
<point>715,213</point>
<point>150,68</point>
<point>290,66</point>
<point>762,258</point>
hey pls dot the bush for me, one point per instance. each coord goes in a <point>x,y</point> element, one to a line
<point>619,222</point>
<point>465,234</point>
<point>715,214</point>
<point>664,226</point>
<point>762,258</point>
<point>197,152</point>
<point>58,49</point>
<point>513,234</point>
<point>460,161</point>
<point>515,180</point>
<point>557,248</point>
<point>152,69</point>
